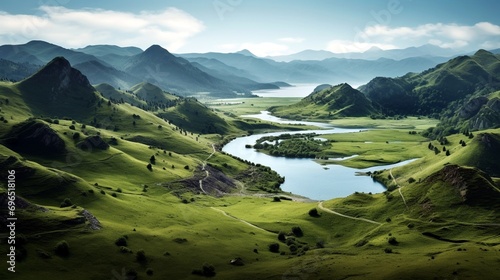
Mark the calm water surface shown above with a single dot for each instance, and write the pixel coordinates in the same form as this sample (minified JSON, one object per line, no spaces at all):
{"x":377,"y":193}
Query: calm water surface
{"x":304,"y":176}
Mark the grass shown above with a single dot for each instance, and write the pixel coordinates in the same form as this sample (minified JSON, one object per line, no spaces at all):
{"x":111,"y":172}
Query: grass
{"x":384,"y":146}
{"x":180,"y":231}
{"x":248,"y":106}
{"x":416,"y":123}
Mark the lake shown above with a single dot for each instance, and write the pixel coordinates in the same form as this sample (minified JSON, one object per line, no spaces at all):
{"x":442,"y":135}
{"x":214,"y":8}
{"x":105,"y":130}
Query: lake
{"x":305,"y":177}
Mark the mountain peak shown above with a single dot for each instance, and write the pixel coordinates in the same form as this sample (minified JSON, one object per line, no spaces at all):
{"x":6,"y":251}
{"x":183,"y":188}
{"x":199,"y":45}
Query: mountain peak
{"x":59,"y":73}
{"x":373,"y":49}
{"x":154,"y":49}
{"x":483,"y":52}
{"x":246,"y":52}
{"x":59,"y":89}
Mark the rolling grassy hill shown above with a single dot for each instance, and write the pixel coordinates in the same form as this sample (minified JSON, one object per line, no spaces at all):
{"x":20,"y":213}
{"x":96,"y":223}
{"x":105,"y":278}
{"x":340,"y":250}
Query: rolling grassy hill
{"x":431,"y":91}
{"x":333,"y":102}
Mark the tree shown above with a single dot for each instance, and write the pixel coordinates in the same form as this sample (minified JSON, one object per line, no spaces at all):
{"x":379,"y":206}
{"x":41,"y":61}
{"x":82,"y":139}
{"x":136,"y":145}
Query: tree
{"x":274,"y":247}
{"x":152,"y":159}
{"x":140,"y":256}
{"x":297,"y":231}
{"x":150,"y":167}
{"x":314,"y":213}
{"x":62,"y":249}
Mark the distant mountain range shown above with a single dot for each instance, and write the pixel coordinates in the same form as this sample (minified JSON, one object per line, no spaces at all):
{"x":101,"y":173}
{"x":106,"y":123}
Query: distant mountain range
{"x":219,"y":74}
{"x":373,"y":53}
{"x":331,"y":70}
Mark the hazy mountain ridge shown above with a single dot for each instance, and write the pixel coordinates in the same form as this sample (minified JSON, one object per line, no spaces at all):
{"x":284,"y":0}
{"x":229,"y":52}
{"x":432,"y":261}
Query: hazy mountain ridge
{"x":373,"y":53}
{"x":223,"y":75}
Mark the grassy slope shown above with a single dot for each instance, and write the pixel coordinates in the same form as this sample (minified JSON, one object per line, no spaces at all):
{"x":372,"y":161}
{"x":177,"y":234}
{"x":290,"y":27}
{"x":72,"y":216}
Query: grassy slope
{"x":383,"y":147}
{"x":159,"y":217}
{"x":337,"y":101}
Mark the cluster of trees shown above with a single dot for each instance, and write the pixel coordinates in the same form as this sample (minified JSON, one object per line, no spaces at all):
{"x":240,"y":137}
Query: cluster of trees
{"x":300,"y":145}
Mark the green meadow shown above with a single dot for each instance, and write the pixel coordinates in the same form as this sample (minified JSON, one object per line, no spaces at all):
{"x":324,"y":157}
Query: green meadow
{"x":196,"y":209}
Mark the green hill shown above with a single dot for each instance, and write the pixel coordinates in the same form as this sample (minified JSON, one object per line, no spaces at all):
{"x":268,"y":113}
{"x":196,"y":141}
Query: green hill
{"x":432,"y":91}
{"x":58,"y":90}
{"x":111,"y":93}
{"x":151,"y":93}
{"x":191,"y":115}
{"x":332,"y":102}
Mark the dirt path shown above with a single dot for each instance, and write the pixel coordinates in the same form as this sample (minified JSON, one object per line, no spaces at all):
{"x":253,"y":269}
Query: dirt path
{"x":240,"y":220}
{"x":399,"y":188}
{"x":207,"y":174}
{"x":320,"y":206}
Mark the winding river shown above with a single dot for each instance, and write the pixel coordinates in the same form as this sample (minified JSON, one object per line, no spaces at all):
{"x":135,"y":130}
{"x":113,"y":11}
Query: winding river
{"x":305,"y":177}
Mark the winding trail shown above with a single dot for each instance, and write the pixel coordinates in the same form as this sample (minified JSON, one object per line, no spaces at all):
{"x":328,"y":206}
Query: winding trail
{"x":320,"y":206}
{"x":399,"y":188}
{"x":240,"y":220}
{"x":207,"y":174}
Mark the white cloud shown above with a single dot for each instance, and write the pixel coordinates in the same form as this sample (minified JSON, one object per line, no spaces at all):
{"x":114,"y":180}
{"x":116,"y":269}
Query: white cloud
{"x":291,"y":40}
{"x":444,"y":35}
{"x":170,"y":28}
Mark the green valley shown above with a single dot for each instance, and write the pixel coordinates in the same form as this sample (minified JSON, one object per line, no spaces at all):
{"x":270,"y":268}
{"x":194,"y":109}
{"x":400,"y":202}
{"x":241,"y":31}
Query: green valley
{"x":107,"y":182}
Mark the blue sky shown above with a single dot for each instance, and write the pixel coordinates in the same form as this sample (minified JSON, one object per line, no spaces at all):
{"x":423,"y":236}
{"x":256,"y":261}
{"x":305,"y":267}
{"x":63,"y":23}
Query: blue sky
{"x":272,"y":27}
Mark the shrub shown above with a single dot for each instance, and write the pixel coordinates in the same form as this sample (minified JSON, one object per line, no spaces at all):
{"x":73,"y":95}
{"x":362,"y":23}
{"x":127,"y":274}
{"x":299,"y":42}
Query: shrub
{"x":66,"y":203}
{"x":274,"y":247}
{"x":102,"y":192}
{"x":186,"y":167}
{"x":149,"y":271}
{"x":72,"y":127}
{"x":276,"y":199}
{"x":281,"y":236}
{"x":149,"y":167}
{"x":207,"y":270}
{"x":297,"y":231}
{"x":76,"y":136}
{"x":121,"y":241}
{"x":314,"y":213}
{"x":119,"y":190}
{"x":392,"y":240}
{"x":388,"y":250}
{"x":140,"y":256}
{"x":125,"y":250}
{"x":62,"y":249}
{"x":113,"y":195}
{"x":152,"y":159}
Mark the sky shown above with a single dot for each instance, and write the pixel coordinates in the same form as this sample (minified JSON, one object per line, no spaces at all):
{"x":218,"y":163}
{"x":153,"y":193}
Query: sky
{"x":265,"y":27}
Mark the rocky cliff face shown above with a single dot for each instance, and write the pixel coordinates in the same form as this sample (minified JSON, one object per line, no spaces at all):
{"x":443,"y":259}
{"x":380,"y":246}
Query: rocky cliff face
{"x":487,"y":117}
{"x":35,"y":137}
{"x":472,"y":185}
